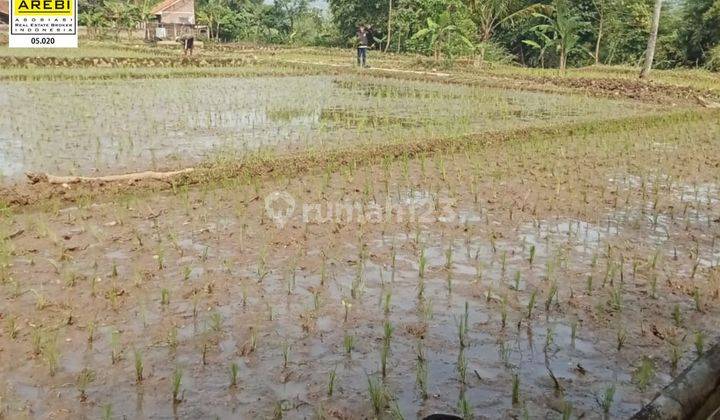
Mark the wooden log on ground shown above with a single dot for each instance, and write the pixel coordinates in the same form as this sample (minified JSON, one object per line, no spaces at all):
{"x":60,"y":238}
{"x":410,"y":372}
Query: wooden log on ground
{"x":692,"y":395}
{"x":35,"y":178}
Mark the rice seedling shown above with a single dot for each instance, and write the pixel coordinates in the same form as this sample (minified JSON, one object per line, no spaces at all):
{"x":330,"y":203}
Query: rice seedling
{"x":531,"y":258}
{"x":699,"y":343}
{"x":164,"y":297}
{"x":176,"y":382}
{"x":516,"y":285}
{"x":503,"y":312}
{"x":50,"y":353}
{"x":515,"y":389}
{"x":83,"y":381}
{"x":107,"y":413}
{"x":675,"y":355}
{"x":464,"y":407}
{"x":644,"y":374}
{"x":346,"y":305}
{"x":697,"y":299}
{"x":349,"y":343}
{"x":421,"y":372}
{"x":12,"y":327}
{"x":378,"y":395}
{"x":286,"y":347}
{"x":115,"y":350}
{"x":621,"y":337}
{"x":616,"y":299}
{"x":90,"y":331}
{"x":386,"y":303}
{"x":216,"y":322}
{"x":552,"y":293}
{"x":606,"y":399}
{"x":677,"y":315}
{"x":234,"y":370}
{"x":531,"y":304}
{"x":462,"y":366}
{"x":331,"y":382}
{"x":139,"y":367}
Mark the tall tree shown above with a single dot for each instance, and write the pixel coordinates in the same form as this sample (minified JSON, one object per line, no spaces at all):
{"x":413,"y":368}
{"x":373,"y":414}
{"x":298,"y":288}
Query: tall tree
{"x":652,"y":40}
{"x":389,"y":25}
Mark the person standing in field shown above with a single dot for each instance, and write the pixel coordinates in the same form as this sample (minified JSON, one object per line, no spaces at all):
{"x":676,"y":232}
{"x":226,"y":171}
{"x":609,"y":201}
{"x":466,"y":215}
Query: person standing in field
{"x":363,"y":44}
{"x":188,"y":43}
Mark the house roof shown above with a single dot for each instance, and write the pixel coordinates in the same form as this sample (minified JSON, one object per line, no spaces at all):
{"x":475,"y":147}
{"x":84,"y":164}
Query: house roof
{"x":4,"y":7}
{"x":162,"y":6}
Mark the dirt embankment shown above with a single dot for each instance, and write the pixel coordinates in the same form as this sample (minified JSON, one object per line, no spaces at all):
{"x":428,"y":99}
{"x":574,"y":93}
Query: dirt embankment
{"x":36,"y":192}
{"x":128,"y":62}
{"x":635,"y":89}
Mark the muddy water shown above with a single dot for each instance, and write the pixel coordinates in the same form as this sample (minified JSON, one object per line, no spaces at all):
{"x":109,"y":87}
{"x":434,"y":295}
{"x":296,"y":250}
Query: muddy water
{"x":593,"y":275}
{"x":120,"y":126}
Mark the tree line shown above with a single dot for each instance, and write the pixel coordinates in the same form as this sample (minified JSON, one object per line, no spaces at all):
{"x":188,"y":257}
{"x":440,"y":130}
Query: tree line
{"x":546,"y":33}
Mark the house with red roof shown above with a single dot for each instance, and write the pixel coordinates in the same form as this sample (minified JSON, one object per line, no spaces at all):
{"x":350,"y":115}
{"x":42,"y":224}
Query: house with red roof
{"x":174,"y":18}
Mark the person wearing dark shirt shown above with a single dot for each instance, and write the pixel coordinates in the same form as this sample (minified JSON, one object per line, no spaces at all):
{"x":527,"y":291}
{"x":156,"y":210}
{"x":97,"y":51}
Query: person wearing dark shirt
{"x":363,"y":45}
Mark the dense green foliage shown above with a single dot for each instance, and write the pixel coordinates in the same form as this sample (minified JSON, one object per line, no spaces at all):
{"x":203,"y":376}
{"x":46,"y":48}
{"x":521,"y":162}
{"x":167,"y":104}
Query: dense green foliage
{"x":547,"y":33}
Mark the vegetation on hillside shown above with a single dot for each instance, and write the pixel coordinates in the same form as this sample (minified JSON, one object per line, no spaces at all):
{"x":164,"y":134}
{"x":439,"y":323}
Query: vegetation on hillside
{"x":546,"y":33}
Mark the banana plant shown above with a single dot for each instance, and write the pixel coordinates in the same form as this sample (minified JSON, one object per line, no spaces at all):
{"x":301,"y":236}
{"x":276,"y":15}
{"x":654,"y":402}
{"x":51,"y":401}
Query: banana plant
{"x":440,"y":32}
{"x":561,"y":31}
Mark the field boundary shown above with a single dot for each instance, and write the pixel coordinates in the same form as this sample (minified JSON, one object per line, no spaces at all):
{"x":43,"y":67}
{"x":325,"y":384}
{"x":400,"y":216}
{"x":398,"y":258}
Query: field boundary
{"x":262,"y":164}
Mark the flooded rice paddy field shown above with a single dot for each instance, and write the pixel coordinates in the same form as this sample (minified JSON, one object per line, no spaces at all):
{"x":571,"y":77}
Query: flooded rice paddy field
{"x":72,"y":128}
{"x":533,"y":278}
